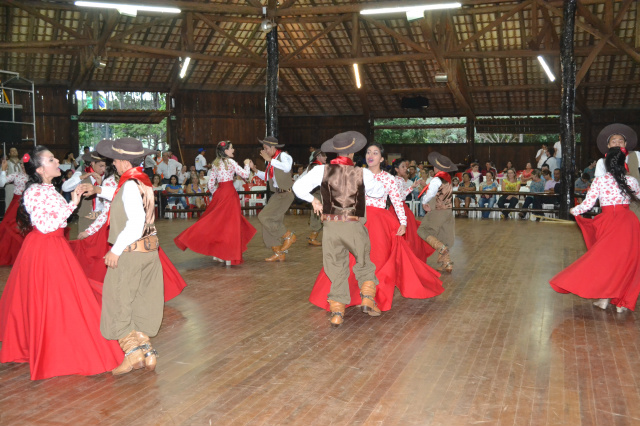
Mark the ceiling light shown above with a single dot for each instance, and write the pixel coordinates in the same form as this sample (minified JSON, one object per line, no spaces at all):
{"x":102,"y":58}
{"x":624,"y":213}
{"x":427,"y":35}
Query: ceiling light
{"x":267,"y":25}
{"x":185,"y":65}
{"x":357,"y":74}
{"x":441,"y":77}
{"x":127,"y":9}
{"x":411,"y":9}
{"x":99,"y":63}
{"x":546,"y":68}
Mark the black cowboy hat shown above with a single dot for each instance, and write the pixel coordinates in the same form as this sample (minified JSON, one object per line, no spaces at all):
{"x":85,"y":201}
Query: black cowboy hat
{"x":270,"y":141}
{"x":92,"y":157}
{"x":441,"y":162}
{"x":123,"y":149}
{"x":617,"y":129}
{"x":345,"y":143}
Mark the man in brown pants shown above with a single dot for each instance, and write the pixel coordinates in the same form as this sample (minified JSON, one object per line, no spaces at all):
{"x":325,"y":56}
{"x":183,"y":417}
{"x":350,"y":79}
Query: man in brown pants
{"x":278,"y":175}
{"x":438,"y":226}
{"x":343,"y":188}
{"x":133,"y":291}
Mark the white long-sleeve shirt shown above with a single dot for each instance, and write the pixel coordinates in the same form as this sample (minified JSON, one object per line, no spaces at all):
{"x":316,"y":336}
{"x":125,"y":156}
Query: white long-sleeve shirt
{"x":201,"y":162}
{"x":109,"y":182}
{"x":166,"y":170}
{"x":311,"y":180}
{"x":284,"y":163}
{"x":71,"y":184}
{"x":134,"y":209}
{"x":434,"y":185}
{"x":18,"y":179}
{"x":601,"y":169}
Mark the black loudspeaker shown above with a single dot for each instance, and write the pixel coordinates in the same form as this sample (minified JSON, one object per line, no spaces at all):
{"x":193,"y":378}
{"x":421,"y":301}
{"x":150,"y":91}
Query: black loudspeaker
{"x":10,"y":133}
{"x":416,"y":102}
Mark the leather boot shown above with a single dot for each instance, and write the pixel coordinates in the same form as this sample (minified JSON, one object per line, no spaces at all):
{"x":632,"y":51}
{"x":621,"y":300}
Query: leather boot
{"x":337,"y":312}
{"x":368,"y":295}
{"x":150,"y":354}
{"x":133,"y":356}
{"x":447,"y":264}
{"x":313,"y":239}
{"x":287,"y":240}
{"x":278,"y":255}
{"x":437,"y":245}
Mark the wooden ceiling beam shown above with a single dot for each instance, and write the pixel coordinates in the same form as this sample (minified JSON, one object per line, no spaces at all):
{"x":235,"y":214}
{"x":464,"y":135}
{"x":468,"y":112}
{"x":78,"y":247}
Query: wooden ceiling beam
{"x":141,"y":27}
{"x":586,"y":64}
{"x":37,"y":14}
{"x":229,"y":37}
{"x":394,"y":34}
{"x":111,"y":20}
{"x":518,"y":8}
{"x":313,"y":39}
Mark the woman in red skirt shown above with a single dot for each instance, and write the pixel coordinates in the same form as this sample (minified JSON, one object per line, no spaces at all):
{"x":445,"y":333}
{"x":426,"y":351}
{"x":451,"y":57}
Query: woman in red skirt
{"x":10,"y":237}
{"x":396,"y":264}
{"x":405,"y":186}
{"x":49,"y":311}
{"x":610,"y":269}
{"x":222,"y":232}
{"x":92,"y":245}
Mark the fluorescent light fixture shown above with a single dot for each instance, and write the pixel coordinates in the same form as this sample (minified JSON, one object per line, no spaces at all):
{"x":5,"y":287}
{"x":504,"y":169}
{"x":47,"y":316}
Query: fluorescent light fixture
{"x":127,"y":9}
{"x":412,"y":15}
{"x":546,"y":68}
{"x":441,"y":77}
{"x":357,"y":73}
{"x":411,"y":9}
{"x":185,"y":65}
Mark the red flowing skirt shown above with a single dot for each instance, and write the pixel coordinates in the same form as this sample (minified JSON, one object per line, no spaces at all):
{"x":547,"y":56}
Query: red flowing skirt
{"x":50,"y":313}
{"x":10,"y":237}
{"x":90,"y":253}
{"x":420,"y":248}
{"x":396,"y":266}
{"x":222,"y":231}
{"x":610,"y":269}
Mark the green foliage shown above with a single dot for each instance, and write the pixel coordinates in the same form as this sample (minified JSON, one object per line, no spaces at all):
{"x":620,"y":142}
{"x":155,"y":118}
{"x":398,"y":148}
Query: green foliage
{"x":153,"y":136}
{"x":418,"y":134}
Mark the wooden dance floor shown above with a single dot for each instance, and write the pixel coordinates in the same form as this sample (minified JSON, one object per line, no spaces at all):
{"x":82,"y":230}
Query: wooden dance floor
{"x":243,"y":346}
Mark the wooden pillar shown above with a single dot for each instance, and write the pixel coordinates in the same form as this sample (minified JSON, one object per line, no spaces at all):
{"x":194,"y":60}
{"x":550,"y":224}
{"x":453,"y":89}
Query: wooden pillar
{"x":567,"y":127}
{"x":271,"y":98}
{"x":471,"y":137}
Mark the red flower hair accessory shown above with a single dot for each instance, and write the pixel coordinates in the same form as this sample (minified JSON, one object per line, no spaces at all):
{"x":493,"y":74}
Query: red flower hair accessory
{"x":26,"y":158}
{"x":223,"y":144}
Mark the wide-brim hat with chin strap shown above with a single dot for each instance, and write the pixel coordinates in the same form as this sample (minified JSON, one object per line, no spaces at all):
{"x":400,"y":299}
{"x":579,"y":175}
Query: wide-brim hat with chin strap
{"x":441,"y":162}
{"x":92,"y":157}
{"x":123,"y":149}
{"x":345,"y":143}
{"x":617,"y":129}
{"x":270,"y":141}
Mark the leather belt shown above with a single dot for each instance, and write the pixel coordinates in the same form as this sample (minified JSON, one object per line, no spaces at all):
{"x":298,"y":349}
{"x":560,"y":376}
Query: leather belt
{"x":280,"y":191}
{"x":339,"y":218}
{"x":145,"y":245}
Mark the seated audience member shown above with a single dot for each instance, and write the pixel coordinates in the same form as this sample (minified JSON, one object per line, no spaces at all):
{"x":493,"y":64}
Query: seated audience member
{"x":509,"y":184}
{"x":581,"y":186}
{"x":183,"y":175}
{"x":193,"y":187}
{"x":412,"y":172}
{"x":65,"y":177}
{"x":474,"y":173}
{"x":537,"y":186}
{"x":488,"y":200}
{"x":490,"y":167}
{"x":455,"y":183}
{"x":173,"y":187}
{"x":591,"y":169}
{"x":509,"y":166}
{"x":465,"y":186}
{"x":202,"y":178}
{"x":156,"y":183}
{"x":526,"y":175}
{"x":299,"y":173}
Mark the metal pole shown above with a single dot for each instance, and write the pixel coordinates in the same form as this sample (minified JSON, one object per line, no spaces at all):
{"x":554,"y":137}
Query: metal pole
{"x":567,"y":128}
{"x":271,"y":96}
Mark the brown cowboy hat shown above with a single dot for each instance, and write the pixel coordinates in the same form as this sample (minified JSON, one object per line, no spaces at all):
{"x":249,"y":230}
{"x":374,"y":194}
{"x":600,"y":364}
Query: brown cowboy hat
{"x":617,"y":129}
{"x":92,"y":157}
{"x":441,"y":162}
{"x":270,"y":141}
{"x":122,"y":149}
{"x":345,"y":143}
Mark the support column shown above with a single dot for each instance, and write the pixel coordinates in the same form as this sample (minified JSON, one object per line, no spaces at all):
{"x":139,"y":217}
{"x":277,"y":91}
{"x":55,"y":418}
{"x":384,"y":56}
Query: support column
{"x":271,"y":96}
{"x":471,"y":137}
{"x":567,"y":127}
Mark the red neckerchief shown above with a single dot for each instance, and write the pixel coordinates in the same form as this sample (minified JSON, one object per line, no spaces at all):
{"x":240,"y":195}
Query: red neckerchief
{"x":135,"y":173}
{"x":441,"y":175}
{"x":269,"y":172}
{"x":344,"y":161}
{"x":316,"y":162}
{"x":626,"y":154}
